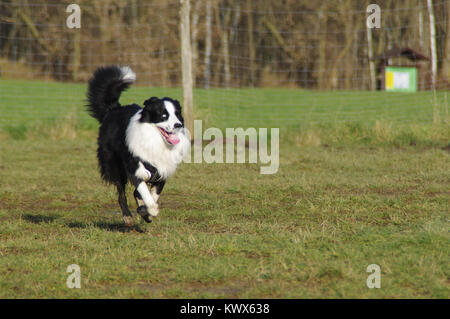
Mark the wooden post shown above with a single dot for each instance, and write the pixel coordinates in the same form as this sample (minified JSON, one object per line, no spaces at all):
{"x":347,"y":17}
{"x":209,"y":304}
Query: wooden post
{"x":432,"y":44}
{"x":370,"y":58}
{"x":76,"y":54}
{"x":186,"y":66}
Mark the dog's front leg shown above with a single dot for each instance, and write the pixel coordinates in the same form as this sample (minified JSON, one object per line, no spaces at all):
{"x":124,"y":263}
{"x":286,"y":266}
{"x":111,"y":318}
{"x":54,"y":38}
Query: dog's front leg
{"x":147,"y":199}
{"x":147,"y":205}
{"x":156,"y":189}
{"x":143,"y":173}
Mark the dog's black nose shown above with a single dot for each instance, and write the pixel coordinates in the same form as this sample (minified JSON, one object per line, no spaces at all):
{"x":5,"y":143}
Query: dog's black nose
{"x":178,"y":125}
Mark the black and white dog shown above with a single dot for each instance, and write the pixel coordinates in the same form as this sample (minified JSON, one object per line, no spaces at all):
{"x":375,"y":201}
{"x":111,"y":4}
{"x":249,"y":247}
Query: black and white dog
{"x":142,"y":145}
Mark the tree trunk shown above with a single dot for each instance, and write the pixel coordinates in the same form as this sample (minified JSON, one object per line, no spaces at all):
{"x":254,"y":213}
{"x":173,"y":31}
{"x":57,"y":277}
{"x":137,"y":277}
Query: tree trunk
{"x":195,"y":18}
{"x":208,"y":44}
{"x":251,"y":43}
{"x":446,"y":59}
{"x":322,"y":69}
{"x":226,"y":47}
{"x":421,"y":46}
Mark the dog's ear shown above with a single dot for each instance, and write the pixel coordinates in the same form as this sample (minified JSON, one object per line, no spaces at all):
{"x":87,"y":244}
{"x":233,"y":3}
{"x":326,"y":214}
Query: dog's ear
{"x":146,"y":116}
{"x":149,"y":109}
{"x":151,"y":101}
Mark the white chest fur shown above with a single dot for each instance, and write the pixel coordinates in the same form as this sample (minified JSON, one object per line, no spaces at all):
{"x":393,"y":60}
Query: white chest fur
{"x":145,"y":142}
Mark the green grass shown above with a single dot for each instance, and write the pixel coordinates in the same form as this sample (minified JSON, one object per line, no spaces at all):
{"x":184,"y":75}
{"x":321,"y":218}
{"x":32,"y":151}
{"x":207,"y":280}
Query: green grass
{"x":27,"y":103}
{"x":308,"y":231}
{"x":347,"y":194}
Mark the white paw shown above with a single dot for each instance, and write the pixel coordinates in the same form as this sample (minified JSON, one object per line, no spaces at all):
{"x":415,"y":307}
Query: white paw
{"x":153,"y":210}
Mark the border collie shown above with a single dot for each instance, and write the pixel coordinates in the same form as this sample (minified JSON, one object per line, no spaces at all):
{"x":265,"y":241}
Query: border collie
{"x":142,"y":145}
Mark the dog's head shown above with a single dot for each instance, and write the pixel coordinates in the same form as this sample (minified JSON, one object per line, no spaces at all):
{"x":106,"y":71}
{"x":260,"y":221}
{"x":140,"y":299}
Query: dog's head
{"x":165,"y":114}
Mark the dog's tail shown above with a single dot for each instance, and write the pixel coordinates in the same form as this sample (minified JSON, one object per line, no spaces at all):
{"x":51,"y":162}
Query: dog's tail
{"x":105,"y":88}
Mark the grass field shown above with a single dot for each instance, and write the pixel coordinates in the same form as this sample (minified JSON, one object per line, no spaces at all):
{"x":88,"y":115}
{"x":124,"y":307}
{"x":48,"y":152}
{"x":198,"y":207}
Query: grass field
{"x":348,"y":194}
{"x":25,"y":104}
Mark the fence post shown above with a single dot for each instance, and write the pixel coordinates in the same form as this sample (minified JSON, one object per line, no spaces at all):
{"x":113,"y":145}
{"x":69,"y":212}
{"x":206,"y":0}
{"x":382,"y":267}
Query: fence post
{"x":432,"y":44}
{"x":186,"y":65}
{"x":370,"y":58}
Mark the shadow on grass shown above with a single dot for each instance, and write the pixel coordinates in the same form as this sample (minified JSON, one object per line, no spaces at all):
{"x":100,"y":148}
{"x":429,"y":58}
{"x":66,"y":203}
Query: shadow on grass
{"x":109,"y":226}
{"x":38,"y":219}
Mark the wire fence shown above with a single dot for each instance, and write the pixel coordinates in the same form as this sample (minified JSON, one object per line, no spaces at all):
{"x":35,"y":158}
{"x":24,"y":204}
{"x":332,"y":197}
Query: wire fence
{"x":254,"y":63}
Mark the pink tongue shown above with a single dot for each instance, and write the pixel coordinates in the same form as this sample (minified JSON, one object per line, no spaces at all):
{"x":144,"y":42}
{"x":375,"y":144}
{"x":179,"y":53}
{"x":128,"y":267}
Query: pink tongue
{"x":173,"y":139}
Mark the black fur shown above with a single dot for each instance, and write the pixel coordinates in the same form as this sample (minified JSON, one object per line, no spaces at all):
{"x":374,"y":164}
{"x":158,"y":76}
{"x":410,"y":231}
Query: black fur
{"x":117,"y":163}
{"x":104,"y":91}
{"x":154,"y":110}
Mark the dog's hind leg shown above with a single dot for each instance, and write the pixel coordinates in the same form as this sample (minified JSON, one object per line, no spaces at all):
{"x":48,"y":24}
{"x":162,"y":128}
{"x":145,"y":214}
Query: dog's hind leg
{"x":126,"y":214}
